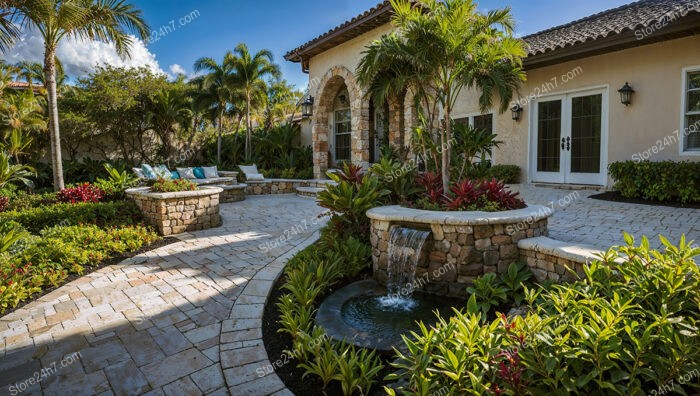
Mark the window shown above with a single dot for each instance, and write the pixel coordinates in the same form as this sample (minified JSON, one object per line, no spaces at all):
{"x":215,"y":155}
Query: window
{"x":691,"y":135}
{"x":484,"y":121}
{"x":342,"y":135}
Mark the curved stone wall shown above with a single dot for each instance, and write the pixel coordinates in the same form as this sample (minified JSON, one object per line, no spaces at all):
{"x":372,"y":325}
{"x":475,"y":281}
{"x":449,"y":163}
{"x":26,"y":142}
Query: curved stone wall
{"x":462,"y":245}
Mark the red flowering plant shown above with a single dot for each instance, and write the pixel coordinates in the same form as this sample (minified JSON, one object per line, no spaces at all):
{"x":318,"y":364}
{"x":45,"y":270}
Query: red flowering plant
{"x":85,"y":192}
{"x":485,"y":195}
{"x":509,"y":368}
{"x":4,"y":203}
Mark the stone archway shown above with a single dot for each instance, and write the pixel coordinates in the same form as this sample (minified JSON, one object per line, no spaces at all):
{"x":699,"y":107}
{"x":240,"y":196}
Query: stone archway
{"x":329,"y":86}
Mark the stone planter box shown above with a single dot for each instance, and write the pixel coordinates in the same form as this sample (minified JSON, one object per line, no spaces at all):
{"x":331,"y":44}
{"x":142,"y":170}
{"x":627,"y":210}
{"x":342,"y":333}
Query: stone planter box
{"x":282,"y":186}
{"x":178,"y":212}
{"x":462,"y":245}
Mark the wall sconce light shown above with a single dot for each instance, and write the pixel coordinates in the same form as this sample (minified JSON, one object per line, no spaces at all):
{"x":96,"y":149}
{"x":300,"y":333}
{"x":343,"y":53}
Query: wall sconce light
{"x":626,"y":94}
{"x":307,"y":107}
{"x":517,"y":110}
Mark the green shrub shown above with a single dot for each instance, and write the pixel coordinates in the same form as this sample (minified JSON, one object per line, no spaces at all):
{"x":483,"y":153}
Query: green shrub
{"x":23,"y":200}
{"x":657,"y":181}
{"x":629,"y":327}
{"x":169,"y":185}
{"x":103,"y":214}
{"x":509,"y":174}
{"x":62,"y":251}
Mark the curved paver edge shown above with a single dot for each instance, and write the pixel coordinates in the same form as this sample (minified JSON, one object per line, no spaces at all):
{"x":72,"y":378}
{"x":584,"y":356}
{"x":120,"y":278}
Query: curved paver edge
{"x":242,"y":351}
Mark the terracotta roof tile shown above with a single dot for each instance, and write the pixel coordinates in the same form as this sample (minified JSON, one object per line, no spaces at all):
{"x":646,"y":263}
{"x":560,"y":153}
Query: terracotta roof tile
{"x":629,"y":17}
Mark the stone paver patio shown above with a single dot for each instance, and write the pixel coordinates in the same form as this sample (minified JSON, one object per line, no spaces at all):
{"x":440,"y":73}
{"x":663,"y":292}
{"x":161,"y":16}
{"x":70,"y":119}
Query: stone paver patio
{"x":151,"y":324}
{"x":185,"y":318}
{"x":579,"y":219}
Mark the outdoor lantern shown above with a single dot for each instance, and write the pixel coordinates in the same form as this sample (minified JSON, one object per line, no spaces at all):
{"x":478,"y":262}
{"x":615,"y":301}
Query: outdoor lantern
{"x":517,"y":110}
{"x":626,"y":94}
{"x":307,"y":107}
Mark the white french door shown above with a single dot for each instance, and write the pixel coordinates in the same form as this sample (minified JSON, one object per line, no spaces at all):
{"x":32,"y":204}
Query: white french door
{"x":569,"y":138}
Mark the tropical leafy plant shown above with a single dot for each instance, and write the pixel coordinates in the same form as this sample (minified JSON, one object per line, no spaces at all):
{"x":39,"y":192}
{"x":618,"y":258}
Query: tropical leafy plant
{"x":437,"y":50}
{"x":357,"y":368}
{"x":488,"y":292}
{"x":515,"y":279}
{"x":11,"y":173}
{"x":354,"y":194}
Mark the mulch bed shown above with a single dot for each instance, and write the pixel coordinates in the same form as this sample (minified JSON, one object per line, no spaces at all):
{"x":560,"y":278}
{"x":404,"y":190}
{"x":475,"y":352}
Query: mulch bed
{"x":615,"y":196}
{"x":88,"y":270}
{"x":276,"y":343}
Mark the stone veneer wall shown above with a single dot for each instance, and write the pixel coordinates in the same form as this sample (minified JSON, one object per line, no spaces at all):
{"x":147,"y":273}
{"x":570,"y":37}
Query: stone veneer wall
{"x":462,"y":245}
{"x":548,"y":266}
{"x":178,"y":212}
{"x":282,"y":186}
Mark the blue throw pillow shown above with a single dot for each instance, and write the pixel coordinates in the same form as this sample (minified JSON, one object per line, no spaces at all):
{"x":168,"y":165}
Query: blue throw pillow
{"x":164,"y":172}
{"x":199,"y":172}
{"x":176,"y":175}
{"x":149,"y":172}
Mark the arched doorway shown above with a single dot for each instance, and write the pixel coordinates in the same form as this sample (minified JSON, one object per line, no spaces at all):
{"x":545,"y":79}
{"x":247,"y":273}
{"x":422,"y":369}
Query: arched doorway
{"x":340,"y":129}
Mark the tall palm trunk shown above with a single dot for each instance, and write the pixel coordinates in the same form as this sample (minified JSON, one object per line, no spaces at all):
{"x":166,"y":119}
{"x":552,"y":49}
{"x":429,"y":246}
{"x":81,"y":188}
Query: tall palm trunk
{"x":54,"y":132}
{"x":218,"y":140}
{"x":248,"y":128}
{"x":446,"y":137}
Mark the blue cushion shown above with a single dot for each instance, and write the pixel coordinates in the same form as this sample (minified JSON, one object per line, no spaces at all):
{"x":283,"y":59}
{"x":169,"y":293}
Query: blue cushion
{"x":149,"y":172}
{"x":163,"y":171}
{"x":176,"y":175}
{"x":199,"y":172}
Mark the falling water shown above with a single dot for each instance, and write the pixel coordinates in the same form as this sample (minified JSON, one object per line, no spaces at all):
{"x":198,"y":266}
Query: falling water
{"x":405,"y":246}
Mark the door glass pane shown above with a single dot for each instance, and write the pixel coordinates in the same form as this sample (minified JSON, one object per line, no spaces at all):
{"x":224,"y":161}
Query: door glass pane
{"x":548,"y":136}
{"x":586,"y":127}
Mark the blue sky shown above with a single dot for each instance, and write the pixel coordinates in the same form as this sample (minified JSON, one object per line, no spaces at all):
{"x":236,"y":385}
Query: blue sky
{"x":212,"y":27}
{"x":283,"y":25}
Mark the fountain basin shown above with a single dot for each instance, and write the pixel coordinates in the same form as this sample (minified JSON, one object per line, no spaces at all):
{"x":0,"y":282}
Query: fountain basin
{"x":362,"y":314}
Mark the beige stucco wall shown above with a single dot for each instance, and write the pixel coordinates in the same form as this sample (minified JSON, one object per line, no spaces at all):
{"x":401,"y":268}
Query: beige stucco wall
{"x":654,"y":71}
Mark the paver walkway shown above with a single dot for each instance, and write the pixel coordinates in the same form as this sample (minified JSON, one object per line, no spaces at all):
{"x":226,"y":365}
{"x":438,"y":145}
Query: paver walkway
{"x":185,"y":318}
{"x":151,"y":324}
{"x":597,"y":223}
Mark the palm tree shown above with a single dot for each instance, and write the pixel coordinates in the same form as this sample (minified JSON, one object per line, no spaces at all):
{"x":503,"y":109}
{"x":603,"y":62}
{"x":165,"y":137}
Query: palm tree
{"x":9,"y":31}
{"x":169,"y":110}
{"x":104,"y":20}
{"x":250,"y":72}
{"x":439,"y":49}
{"x":218,"y":88}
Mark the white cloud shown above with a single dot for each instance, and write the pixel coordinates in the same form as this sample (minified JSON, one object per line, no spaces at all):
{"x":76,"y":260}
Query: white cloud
{"x":176,"y":70}
{"x":79,"y":57}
